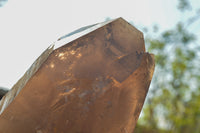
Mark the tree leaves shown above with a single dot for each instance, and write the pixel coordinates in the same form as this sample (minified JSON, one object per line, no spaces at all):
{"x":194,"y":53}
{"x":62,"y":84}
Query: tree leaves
{"x":184,"y":5}
{"x":174,"y":94}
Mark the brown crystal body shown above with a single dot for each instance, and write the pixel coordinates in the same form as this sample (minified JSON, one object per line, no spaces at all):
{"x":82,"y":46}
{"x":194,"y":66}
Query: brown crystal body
{"x":94,"y":84}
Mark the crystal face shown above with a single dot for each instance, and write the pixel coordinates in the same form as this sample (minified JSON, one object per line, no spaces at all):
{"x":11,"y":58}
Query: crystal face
{"x":96,"y":83}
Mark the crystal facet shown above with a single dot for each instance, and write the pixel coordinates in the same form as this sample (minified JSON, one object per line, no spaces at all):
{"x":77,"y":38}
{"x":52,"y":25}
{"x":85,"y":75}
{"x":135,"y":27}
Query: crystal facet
{"x":94,"y":83}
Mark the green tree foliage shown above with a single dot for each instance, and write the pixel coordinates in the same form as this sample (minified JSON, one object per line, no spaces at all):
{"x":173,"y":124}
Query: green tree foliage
{"x":184,"y":5}
{"x":173,"y":102}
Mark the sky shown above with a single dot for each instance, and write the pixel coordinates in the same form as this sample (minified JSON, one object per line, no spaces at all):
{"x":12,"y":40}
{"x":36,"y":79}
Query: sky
{"x":28,"y":27}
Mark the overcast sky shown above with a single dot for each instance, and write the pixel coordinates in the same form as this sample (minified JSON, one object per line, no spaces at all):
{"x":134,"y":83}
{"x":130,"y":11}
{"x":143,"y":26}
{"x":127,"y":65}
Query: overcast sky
{"x":28,"y":27}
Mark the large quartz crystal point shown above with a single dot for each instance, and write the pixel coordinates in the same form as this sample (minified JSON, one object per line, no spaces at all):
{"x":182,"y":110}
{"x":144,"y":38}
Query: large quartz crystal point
{"x":96,"y":82}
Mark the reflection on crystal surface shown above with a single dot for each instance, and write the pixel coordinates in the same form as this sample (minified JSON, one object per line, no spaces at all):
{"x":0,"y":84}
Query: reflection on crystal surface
{"x":96,"y":83}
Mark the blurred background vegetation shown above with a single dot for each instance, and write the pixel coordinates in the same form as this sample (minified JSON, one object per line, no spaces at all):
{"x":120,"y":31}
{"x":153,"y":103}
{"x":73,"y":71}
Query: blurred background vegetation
{"x":173,"y":101}
{"x":2,"y":2}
